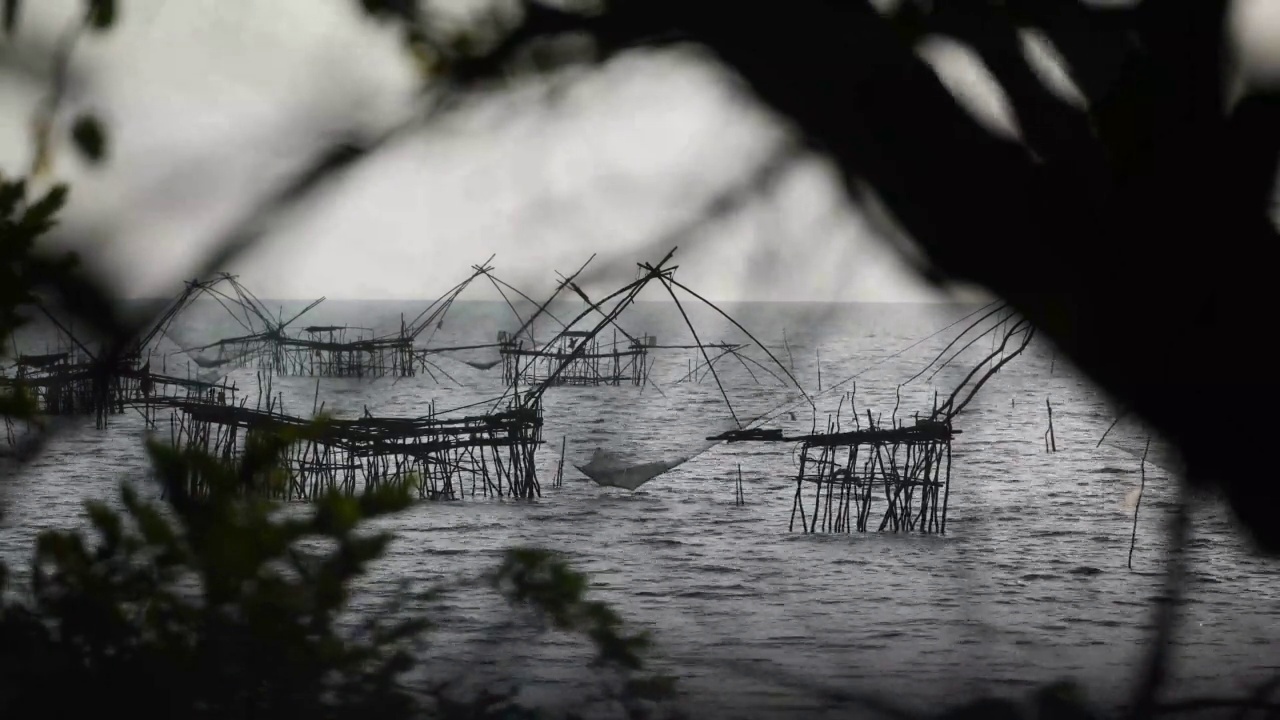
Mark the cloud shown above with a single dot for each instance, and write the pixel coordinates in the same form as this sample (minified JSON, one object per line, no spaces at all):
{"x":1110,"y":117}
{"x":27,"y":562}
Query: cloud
{"x":211,"y":104}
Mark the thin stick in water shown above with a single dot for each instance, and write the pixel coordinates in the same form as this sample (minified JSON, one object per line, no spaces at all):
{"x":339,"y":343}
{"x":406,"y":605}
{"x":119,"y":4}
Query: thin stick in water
{"x":1050,"y":440}
{"x":1133,"y":539}
{"x":740,"y":497}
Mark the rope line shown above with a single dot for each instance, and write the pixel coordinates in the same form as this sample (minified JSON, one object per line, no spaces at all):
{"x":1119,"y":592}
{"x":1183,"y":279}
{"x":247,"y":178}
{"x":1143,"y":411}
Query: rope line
{"x":775,"y":413}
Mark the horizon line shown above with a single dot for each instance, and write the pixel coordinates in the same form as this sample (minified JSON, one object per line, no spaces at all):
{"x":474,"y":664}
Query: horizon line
{"x":651,"y":301}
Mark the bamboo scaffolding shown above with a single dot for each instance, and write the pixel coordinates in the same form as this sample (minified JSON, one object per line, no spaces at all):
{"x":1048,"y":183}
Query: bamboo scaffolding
{"x":576,"y":355}
{"x":899,"y":473}
{"x":904,"y":470}
{"x":75,"y":380}
{"x":563,"y":362}
{"x":437,"y":452}
{"x":336,"y":350}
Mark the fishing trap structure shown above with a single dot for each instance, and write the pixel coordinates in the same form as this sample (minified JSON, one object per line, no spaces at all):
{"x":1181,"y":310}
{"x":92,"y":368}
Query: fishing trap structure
{"x":891,"y":476}
{"x":909,"y":465}
{"x":577,"y":355}
{"x":339,"y":350}
{"x":71,"y":379}
{"x":447,"y":456}
{"x":574,"y":357}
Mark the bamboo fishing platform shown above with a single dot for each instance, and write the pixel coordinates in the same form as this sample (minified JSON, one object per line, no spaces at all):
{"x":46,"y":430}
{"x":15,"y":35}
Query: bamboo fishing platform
{"x":909,"y":465}
{"x":343,"y":350}
{"x":75,"y":380}
{"x":849,"y":472}
{"x":317,"y":350}
{"x":902,"y":468}
{"x":62,"y":384}
{"x":325,"y":351}
{"x":446,"y":458}
{"x":575,"y":357}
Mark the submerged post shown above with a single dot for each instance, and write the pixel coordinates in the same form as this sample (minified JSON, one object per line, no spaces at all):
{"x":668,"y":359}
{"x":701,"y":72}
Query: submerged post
{"x":1050,"y":442}
{"x":1133,"y":538}
{"x":560,"y":469}
{"x":739,"y":497}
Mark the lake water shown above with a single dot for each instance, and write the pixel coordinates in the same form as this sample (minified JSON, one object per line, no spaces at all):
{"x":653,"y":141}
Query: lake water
{"x":1028,"y":585}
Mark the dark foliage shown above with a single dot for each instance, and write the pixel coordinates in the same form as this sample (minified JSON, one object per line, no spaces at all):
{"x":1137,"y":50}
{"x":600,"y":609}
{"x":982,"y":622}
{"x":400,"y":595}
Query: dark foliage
{"x":217,"y":612}
{"x":224,"y":606}
{"x":90,"y":138}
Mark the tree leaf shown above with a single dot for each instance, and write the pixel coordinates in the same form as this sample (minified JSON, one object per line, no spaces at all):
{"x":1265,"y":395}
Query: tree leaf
{"x":11,"y":8}
{"x":90,"y":138}
{"x":102,"y":14}
{"x":11,"y":193}
{"x":40,"y":213}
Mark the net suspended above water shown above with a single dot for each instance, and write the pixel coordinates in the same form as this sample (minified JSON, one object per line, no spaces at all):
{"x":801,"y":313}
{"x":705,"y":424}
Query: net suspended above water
{"x":611,"y":470}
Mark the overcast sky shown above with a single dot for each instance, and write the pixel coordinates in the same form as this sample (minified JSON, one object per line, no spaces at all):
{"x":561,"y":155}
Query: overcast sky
{"x":209,"y":102}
